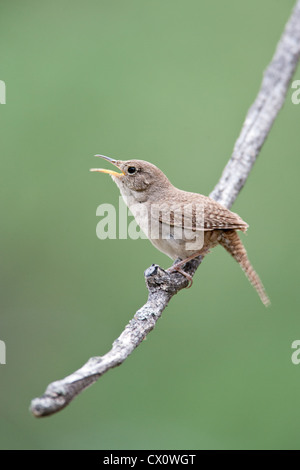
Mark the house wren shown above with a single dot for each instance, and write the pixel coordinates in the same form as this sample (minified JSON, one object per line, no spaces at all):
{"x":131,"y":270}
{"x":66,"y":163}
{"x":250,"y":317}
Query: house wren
{"x":181,"y":224}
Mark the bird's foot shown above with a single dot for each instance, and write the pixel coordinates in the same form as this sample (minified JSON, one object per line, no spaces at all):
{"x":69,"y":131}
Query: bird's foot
{"x":177,"y":269}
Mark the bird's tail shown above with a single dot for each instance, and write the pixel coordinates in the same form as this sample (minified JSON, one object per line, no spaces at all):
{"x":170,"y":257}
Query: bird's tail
{"x":232,"y":243}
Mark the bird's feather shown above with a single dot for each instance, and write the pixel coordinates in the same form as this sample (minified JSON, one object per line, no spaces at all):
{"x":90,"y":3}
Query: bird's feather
{"x":198,"y":213}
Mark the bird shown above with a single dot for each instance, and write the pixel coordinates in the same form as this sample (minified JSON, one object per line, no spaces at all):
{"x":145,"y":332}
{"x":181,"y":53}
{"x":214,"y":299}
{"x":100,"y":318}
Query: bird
{"x":181,"y":224}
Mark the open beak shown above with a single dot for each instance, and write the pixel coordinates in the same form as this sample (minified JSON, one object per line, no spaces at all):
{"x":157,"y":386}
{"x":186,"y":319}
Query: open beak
{"x":110,"y":172}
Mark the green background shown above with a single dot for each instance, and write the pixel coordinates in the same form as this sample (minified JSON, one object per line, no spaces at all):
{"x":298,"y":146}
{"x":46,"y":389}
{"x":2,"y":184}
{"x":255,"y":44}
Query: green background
{"x":169,"y":82}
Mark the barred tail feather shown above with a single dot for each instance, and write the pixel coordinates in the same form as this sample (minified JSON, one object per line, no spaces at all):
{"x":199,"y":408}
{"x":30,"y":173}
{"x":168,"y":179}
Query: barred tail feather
{"x":232,"y":243}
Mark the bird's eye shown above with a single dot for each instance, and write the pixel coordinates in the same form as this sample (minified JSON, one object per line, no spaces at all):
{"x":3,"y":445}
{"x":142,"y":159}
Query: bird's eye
{"x":131,"y":170}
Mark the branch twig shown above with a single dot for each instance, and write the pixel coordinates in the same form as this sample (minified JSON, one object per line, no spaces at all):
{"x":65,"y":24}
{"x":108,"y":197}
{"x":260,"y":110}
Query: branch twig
{"x":162,"y":285}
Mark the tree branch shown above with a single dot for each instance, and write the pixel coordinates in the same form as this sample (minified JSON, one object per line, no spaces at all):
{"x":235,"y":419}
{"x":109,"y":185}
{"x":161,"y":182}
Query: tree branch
{"x":162,"y":285}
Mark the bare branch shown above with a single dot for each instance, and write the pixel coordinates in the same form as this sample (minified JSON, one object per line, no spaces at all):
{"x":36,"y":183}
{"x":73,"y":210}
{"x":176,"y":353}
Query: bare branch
{"x":162,"y":285}
{"x":262,"y":113}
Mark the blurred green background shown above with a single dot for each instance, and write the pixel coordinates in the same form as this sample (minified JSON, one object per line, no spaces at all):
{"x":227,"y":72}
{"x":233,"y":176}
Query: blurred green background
{"x":170,"y":82}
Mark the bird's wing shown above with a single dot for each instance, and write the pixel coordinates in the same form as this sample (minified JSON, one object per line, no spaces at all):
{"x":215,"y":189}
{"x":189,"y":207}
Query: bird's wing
{"x":202,"y":214}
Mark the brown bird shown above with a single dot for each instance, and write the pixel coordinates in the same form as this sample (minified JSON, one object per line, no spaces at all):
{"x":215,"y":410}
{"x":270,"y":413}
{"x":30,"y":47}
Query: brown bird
{"x":181,"y":224}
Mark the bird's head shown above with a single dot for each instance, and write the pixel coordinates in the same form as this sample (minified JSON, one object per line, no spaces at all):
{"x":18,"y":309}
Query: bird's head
{"x":136,"y":177}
